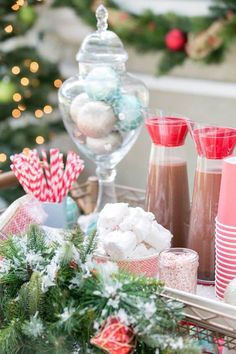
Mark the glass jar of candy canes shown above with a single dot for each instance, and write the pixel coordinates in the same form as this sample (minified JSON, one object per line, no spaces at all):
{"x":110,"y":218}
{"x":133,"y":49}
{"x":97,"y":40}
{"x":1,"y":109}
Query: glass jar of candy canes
{"x":178,"y":269}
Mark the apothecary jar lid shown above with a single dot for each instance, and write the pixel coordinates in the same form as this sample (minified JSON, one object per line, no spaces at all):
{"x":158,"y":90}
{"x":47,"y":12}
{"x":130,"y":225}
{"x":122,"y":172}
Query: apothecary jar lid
{"x":102,"y":46}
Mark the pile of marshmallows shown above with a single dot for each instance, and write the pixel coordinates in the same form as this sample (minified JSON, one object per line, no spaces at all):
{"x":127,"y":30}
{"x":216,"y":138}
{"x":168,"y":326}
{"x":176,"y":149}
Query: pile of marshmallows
{"x":129,"y":233}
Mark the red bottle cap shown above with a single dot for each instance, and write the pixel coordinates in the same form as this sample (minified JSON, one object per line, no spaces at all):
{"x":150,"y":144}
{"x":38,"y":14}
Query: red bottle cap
{"x":214,"y":142}
{"x":167,"y":131}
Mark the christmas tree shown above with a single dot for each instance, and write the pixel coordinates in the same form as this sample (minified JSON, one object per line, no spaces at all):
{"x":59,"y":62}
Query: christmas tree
{"x":28,"y":85}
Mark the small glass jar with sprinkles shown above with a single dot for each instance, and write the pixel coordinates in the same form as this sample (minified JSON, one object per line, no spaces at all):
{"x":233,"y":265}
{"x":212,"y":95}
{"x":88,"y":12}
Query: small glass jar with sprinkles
{"x":178,"y":269}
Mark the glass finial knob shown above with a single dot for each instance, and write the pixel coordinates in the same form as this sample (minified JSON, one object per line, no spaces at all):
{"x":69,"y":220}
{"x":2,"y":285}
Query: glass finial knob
{"x":102,"y":16}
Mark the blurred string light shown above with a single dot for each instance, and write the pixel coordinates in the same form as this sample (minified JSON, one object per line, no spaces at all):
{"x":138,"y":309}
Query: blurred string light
{"x":3,"y":157}
{"x":34,"y":66}
{"x":26,"y":150}
{"x":21,"y":107}
{"x":47,"y":109}
{"x":15,"y":70}
{"x":16,"y":113}
{"x":8,"y":29}
{"x":40,"y":140}
{"x":38,"y":113}
{"x":17,"y":97}
{"x":57,"y":83}
{"x":24,"y":81}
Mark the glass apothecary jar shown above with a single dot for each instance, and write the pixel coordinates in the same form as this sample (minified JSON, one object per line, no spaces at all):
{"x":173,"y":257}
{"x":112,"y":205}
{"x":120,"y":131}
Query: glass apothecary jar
{"x":103,"y":106}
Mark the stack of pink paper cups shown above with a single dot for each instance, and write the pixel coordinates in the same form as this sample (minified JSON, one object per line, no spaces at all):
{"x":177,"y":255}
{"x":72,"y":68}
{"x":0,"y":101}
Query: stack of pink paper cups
{"x":226,"y":228}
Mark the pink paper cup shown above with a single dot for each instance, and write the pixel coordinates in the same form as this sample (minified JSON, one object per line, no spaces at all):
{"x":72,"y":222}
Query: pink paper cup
{"x":225,"y":238}
{"x":225,"y":226}
{"x":226,"y":265}
{"x":224,"y":275}
{"x":230,"y":234}
{"x":222,"y":242}
{"x":219,"y":294}
{"x":225,"y":271}
{"x":220,"y":287}
{"x":227,"y":200}
{"x":229,"y":250}
{"x":230,"y":242}
{"x":228,"y":257}
{"x":222,"y":282}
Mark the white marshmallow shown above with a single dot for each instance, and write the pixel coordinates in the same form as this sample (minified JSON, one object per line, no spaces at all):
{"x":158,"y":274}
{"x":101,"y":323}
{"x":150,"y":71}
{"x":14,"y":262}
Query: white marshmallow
{"x":119,"y":245}
{"x":139,"y":222}
{"x":111,"y":216}
{"x":159,"y":237}
{"x":140,"y":251}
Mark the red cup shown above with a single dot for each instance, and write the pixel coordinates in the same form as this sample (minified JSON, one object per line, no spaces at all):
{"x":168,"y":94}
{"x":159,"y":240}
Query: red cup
{"x":228,"y":249}
{"x":219,"y":294}
{"x":224,"y":254}
{"x":225,"y":269}
{"x":222,"y":243}
{"x":228,"y":257}
{"x":220,"y":287}
{"x":225,"y":227}
{"x":226,"y":233}
{"x":226,"y":239}
{"x":224,"y":275}
{"x":221,"y":282}
{"x":226,"y":244}
{"x":227,"y":200}
{"x":227,"y":265}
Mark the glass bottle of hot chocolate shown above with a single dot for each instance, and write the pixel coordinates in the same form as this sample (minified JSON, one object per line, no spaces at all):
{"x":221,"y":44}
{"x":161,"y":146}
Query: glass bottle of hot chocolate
{"x":167,"y":194}
{"x":213,"y":144}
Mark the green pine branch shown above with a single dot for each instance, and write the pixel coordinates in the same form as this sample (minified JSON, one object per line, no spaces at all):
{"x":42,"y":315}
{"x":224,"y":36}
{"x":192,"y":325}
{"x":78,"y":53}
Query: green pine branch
{"x":10,"y":339}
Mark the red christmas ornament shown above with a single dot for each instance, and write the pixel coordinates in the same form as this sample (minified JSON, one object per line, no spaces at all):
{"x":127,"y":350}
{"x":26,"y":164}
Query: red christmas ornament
{"x":114,"y":337}
{"x":175,"y":40}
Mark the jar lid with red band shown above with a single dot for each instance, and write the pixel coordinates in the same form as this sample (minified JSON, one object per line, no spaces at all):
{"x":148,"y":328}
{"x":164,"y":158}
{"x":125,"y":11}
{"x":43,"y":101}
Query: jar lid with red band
{"x":167,"y":131}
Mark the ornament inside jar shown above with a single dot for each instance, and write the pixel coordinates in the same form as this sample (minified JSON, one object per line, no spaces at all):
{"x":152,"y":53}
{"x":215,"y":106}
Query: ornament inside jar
{"x":103,"y":106}
{"x":213,"y":144}
{"x":167,"y":195}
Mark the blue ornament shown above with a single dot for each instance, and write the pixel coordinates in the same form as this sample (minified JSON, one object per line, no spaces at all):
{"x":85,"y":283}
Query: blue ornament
{"x":72,"y":213}
{"x":129,"y":112}
{"x":102,"y":84}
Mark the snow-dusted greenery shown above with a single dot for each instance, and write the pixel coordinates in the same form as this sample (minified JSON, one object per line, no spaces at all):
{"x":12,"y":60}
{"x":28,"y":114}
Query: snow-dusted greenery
{"x":53,"y":299}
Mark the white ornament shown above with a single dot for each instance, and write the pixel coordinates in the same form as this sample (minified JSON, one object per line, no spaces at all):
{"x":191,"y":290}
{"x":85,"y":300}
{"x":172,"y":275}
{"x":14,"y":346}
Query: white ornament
{"x":77,"y":103}
{"x":230,"y":293}
{"x":104,"y":145}
{"x":95,"y":119}
{"x":102,"y":83}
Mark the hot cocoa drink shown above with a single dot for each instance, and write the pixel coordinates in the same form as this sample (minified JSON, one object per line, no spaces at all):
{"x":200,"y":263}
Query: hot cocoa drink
{"x":168,"y":198}
{"x":202,"y":223}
